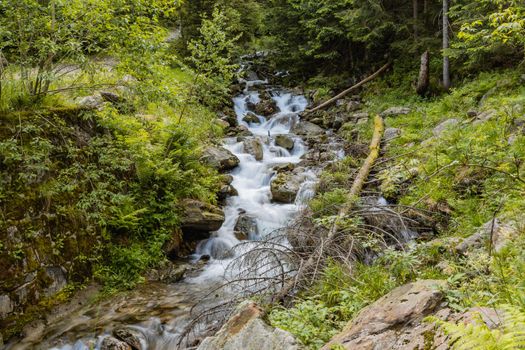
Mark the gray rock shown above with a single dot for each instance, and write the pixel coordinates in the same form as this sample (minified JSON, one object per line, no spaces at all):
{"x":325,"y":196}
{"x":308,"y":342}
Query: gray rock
{"x":219,"y":158}
{"x":247,"y":330}
{"x":395,"y":111}
{"x":110,"y":343}
{"x":254,"y":147}
{"x":266,"y":107}
{"x":58,"y":277}
{"x":361,"y":115}
{"x":131,"y":337}
{"x":284,"y":187}
{"x":6,"y":305}
{"x":385,"y":323}
{"x":246,"y":226}
{"x":199,"y":217}
{"x":307,"y":129}
{"x":284,"y":141}
{"x":251,"y":118}
{"x":353,"y":106}
{"x":501,"y":233}
{"x":362,"y":121}
{"x":472,"y":113}
{"x":391,"y":133}
{"x":443,"y":126}
{"x":111,"y":97}
{"x":91,"y":102}
{"x":484,"y":117}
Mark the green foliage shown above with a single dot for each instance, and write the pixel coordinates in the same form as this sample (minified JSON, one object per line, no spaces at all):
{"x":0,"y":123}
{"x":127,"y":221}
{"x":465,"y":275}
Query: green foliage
{"x":211,"y":55}
{"x":478,"y":335}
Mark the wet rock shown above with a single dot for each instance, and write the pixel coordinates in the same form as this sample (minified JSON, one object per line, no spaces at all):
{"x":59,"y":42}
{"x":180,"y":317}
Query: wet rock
{"x":501,"y":234}
{"x":110,"y":343}
{"x":58,"y":278}
{"x":220,"y":158}
{"x":284,"y":141}
{"x":111,"y":97}
{"x":246,"y":226}
{"x":395,"y":112}
{"x":251,"y":118}
{"x":280,"y":168}
{"x":284,"y":187}
{"x":199,"y":219}
{"x":131,"y":337}
{"x":443,"y":126}
{"x":307,"y":129}
{"x":247,"y":330}
{"x":228,"y":116}
{"x":254,"y":147}
{"x":222,"y":123}
{"x":266,"y":107}
{"x":385,"y":323}
{"x":6,"y":305}
{"x":167,"y":273}
{"x":227,"y":191}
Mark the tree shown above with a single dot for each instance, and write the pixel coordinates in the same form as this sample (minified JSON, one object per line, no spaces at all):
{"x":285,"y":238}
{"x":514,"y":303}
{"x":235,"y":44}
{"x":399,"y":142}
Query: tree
{"x":446,"y":45}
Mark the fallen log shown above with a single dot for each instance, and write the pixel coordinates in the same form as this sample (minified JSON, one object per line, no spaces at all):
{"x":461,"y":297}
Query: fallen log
{"x":350,"y":89}
{"x":353,"y":194}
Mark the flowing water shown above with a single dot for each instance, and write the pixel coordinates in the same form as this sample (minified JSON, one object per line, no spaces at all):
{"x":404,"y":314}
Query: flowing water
{"x":161,"y":311}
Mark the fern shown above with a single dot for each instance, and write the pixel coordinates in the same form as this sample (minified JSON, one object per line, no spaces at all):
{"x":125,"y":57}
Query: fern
{"x":478,"y":336}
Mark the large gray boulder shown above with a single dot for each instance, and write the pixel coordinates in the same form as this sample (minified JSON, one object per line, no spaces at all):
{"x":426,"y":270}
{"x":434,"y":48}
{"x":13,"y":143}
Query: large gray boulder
{"x":444,"y":126}
{"x":246,"y":227}
{"x":386,"y":323}
{"x":254,"y":147}
{"x":284,"y":141}
{"x":219,"y":158}
{"x":247,"y":330}
{"x":199,"y":219}
{"x":285,"y":186}
{"x":308,"y":129}
{"x":501,"y":233}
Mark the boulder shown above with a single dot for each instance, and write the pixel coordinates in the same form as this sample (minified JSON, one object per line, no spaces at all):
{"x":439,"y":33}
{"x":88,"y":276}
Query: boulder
{"x":246,"y":226}
{"x":386,"y":323}
{"x":251,"y":118}
{"x":111,"y":97}
{"x":395,"y":111}
{"x":6,"y":305}
{"x":501,"y":234}
{"x":284,"y":141}
{"x":353,"y":106}
{"x":443,"y":126}
{"x":131,"y":337}
{"x":307,"y":129}
{"x":247,"y":330}
{"x":110,"y":343}
{"x":57,"y":277}
{"x":266,"y":107}
{"x":391,"y":133}
{"x":168,"y":272}
{"x":284,"y":187}
{"x":219,"y":158}
{"x":227,"y":191}
{"x":91,"y":102}
{"x":199,"y":219}
{"x":484,"y":117}
{"x":254,"y":147}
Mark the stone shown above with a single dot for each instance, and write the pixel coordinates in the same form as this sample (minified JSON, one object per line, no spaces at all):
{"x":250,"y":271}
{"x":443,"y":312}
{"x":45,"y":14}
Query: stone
{"x":384,"y":324}
{"x":111,"y":97}
{"x":254,"y":147}
{"x":247,"y":330}
{"x":266,"y":107}
{"x":501,"y":233}
{"x":395,"y":112}
{"x":444,"y":126}
{"x":219,"y":158}
{"x":472,"y":113}
{"x":361,"y":115}
{"x":284,"y":141}
{"x":58,"y":277}
{"x":222,"y":123}
{"x":353,"y":106}
{"x":307,"y":129}
{"x":284,"y":187}
{"x":227,"y":191}
{"x":167,"y":273}
{"x":362,"y":121}
{"x":131,"y":337}
{"x":391,"y":133}
{"x":199,"y":219}
{"x":6,"y":305}
{"x":484,"y":117}
{"x":91,"y":102}
{"x":110,"y":343}
{"x":246,"y":226}
{"x":251,"y":118}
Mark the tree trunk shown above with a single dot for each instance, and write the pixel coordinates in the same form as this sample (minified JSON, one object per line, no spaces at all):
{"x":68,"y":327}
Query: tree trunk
{"x":415,"y":13}
{"x":424,"y":79}
{"x":446,"y":45}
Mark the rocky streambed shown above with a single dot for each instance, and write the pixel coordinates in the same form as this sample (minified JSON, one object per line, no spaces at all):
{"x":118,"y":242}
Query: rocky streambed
{"x":270,"y":160}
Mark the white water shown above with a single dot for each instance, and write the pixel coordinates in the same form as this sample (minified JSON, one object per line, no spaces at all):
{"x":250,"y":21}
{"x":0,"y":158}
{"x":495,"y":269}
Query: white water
{"x":252,"y":180}
{"x":161,"y":312}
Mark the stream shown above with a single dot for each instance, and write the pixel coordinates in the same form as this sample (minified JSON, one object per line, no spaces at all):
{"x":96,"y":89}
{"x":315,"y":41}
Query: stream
{"x":160,"y":312}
